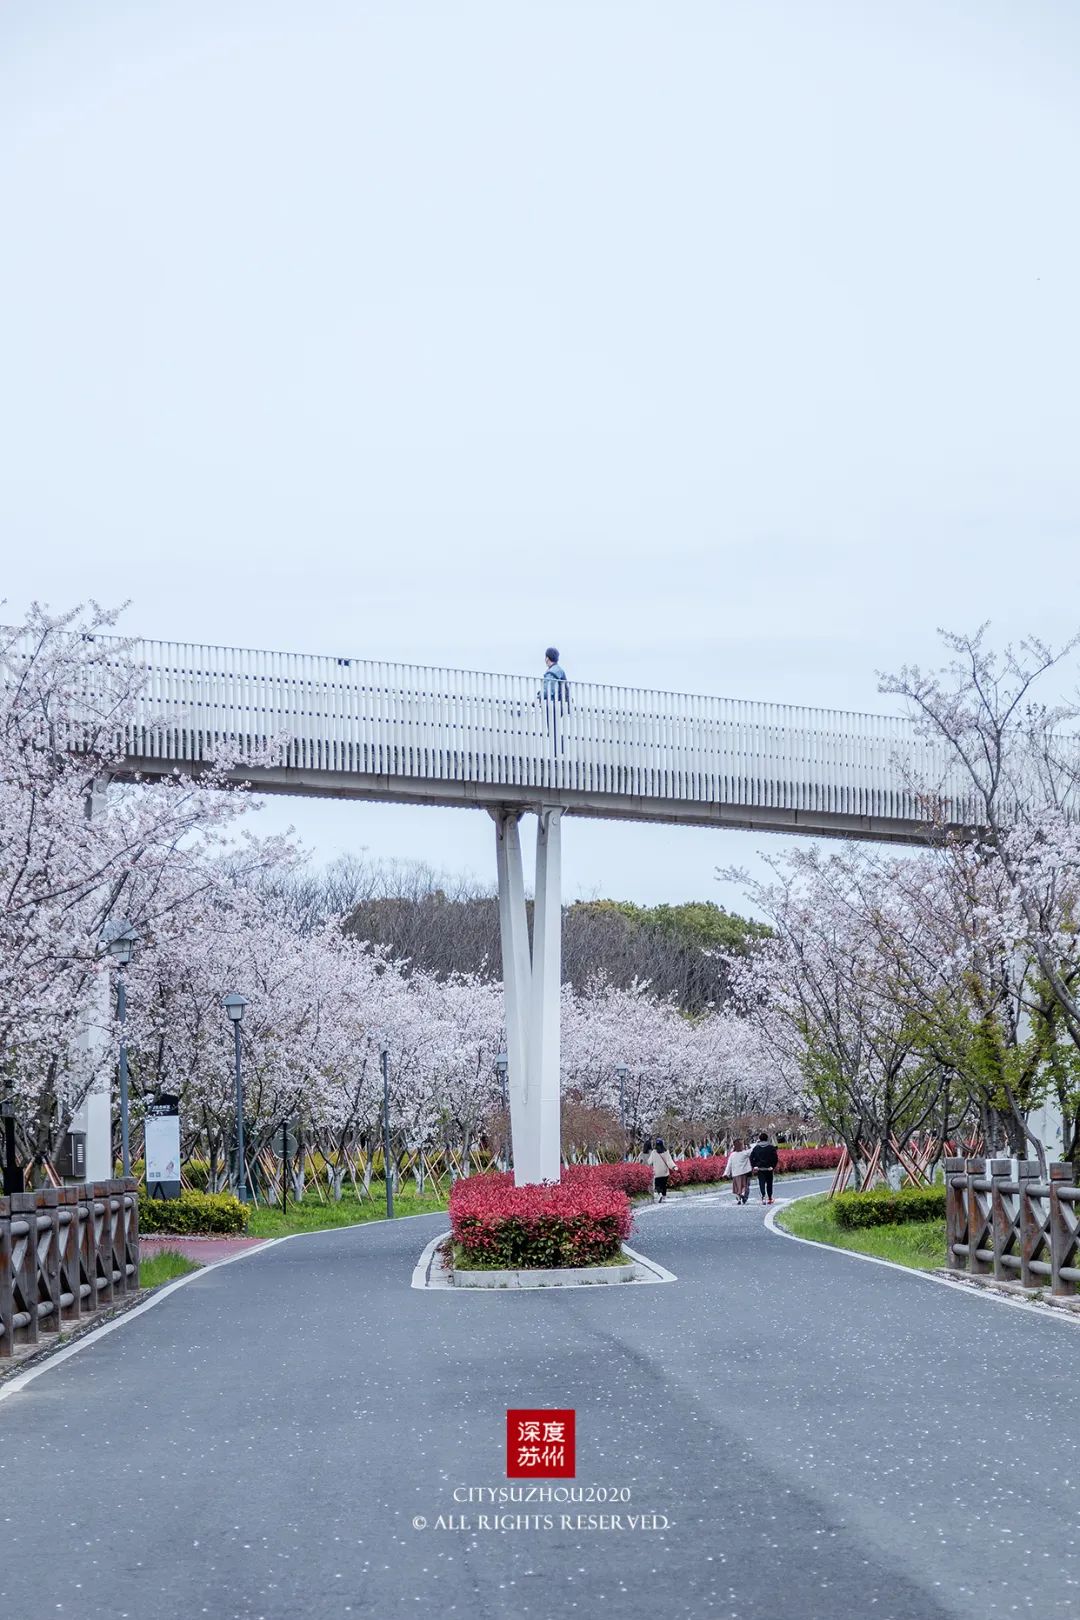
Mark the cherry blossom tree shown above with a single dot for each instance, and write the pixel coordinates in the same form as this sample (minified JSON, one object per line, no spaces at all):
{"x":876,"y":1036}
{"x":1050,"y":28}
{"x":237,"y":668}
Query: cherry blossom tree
{"x":1012,"y":739}
{"x":79,"y":849}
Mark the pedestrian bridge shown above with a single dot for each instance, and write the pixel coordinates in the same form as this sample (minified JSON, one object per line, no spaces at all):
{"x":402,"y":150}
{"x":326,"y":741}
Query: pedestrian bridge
{"x":357,"y":728}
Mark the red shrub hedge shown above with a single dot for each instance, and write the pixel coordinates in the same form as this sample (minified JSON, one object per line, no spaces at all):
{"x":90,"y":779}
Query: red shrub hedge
{"x":576,"y":1223}
{"x":824,"y":1158}
{"x":632,"y":1179}
{"x":692,"y":1172}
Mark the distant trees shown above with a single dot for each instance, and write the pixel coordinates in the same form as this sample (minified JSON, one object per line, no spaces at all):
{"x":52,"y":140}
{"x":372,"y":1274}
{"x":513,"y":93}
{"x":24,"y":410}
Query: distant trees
{"x":447,"y":924}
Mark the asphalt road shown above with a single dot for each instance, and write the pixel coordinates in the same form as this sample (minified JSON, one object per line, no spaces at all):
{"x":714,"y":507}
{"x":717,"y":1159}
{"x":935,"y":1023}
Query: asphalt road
{"x":826,"y":1438}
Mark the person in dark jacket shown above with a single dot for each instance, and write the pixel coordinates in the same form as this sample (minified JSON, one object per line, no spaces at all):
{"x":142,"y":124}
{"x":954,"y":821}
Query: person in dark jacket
{"x":764,"y":1159}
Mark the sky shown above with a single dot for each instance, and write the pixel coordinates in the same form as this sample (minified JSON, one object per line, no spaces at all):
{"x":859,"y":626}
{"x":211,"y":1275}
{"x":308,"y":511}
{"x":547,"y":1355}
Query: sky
{"x":732,"y":347}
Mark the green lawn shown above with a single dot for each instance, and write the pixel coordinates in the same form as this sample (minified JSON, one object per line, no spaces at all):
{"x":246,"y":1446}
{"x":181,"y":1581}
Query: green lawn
{"x":312,"y":1215}
{"x":920,"y":1244}
{"x":164,"y":1267}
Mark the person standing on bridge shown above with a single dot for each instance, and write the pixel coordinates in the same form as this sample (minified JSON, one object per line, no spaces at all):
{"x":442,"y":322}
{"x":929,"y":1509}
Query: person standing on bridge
{"x":556,"y":687}
{"x":555,"y":693}
{"x":764,"y":1159}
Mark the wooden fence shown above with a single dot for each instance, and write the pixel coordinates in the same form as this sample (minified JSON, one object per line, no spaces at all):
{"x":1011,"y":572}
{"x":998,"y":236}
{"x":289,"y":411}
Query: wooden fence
{"x":65,"y":1252}
{"x":1003,"y":1221}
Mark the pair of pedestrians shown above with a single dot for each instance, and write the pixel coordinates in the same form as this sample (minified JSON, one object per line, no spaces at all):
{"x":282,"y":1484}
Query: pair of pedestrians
{"x":760,"y":1159}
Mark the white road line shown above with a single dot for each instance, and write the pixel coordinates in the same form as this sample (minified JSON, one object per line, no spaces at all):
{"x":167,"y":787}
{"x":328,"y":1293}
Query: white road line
{"x":1031,"y":1306}
{"x":20,"y":1381}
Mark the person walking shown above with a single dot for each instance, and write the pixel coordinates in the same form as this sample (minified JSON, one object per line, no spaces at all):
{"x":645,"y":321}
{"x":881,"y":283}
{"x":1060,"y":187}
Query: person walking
{"x":662,"y":1166}
{"x":764,"y":1159}
{"x":738,"y":1168}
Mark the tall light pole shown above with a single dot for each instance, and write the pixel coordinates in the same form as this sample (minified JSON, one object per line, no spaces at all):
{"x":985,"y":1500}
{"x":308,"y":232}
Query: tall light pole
{"x":622,"y":1071}
{"x":502,"y":1063}
{"x":121,"y":939}
{"x":388,"y":1174}
{"x":234,"y":1005}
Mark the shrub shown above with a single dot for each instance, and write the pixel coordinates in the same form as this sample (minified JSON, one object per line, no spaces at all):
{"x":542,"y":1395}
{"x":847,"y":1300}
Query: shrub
{"x":886,"y":1208}
{"x":821,"y":1158}
{"x":576,"y":1222}
{"x":632,"y":1179}
{"x":695,"y":1172}
{"x":192,"y":1212}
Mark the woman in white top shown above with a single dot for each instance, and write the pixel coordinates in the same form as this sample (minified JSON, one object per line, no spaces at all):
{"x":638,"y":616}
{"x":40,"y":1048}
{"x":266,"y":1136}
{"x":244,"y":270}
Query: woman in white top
{"x":662,"y":1166}
{"x":738,"y":1168}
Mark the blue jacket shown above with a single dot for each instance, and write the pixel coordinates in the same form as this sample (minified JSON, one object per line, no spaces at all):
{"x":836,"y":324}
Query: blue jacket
{"x":555,"y":684}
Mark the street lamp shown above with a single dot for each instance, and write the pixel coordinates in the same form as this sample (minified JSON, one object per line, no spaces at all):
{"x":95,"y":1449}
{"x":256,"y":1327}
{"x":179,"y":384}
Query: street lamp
{"x":622,"y":1071}
{"x":120,"y":941}
{"x":234,"y":1005}
{"x":502,"y":1064}
{"x":388,"y":1169}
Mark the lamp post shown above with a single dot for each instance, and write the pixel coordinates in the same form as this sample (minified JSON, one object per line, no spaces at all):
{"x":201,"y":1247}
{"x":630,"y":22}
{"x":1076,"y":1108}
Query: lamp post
{"x":234,"y":1005}
{"x":622,"y":1071}
{"x":388,"y":1174}
{"x":121,"y":939}
{"x":502,"y":1063}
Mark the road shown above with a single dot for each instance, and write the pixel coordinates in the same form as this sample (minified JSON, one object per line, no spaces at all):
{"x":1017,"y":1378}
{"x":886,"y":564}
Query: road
{"x":825,"y":1437}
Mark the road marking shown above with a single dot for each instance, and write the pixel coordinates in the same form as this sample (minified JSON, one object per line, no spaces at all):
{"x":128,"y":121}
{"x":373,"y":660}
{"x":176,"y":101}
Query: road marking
{"x":1031,"y":1306}
{"x":20,"y":1381}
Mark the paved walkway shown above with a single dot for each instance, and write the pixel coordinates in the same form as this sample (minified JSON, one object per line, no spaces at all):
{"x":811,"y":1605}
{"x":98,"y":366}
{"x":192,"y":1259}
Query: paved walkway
{"x":827,"y":1439}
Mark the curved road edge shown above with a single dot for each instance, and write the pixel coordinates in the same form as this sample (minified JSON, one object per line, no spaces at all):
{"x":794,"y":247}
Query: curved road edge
{"x":1031,"y":1306}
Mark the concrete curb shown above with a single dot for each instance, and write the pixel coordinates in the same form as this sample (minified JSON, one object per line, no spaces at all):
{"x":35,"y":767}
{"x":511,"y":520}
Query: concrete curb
{"x":592,"y":1276}
{"x":427,"y":1273}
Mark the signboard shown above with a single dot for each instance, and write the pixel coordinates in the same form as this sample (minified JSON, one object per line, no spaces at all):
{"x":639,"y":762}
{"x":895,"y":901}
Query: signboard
{"x":162,"y":1128}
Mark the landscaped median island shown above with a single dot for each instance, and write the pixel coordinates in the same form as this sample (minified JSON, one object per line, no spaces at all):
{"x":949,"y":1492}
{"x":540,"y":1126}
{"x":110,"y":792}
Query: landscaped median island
{"x":907,"y":1227}
{"x":572,"y":1230}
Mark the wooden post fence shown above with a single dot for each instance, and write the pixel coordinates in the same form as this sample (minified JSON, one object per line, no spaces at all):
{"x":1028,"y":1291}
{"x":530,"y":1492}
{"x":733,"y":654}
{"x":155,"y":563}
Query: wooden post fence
{"x":65,"y":1252}
{"x":1002,"y":1219}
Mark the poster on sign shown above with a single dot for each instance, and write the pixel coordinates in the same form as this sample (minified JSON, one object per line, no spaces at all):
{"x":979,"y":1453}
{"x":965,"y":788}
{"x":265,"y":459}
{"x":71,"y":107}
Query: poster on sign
{"x":163,"y":1155}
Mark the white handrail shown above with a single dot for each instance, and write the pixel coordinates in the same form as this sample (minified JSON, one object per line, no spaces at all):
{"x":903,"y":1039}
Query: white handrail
{"x":366,"y":717}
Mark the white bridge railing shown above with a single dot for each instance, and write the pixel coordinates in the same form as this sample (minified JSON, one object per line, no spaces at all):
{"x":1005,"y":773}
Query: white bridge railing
{"x":358,"y":717}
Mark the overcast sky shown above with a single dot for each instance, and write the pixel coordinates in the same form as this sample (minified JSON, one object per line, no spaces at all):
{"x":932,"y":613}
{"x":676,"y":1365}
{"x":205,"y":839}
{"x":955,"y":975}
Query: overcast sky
{"x":731,"y":346}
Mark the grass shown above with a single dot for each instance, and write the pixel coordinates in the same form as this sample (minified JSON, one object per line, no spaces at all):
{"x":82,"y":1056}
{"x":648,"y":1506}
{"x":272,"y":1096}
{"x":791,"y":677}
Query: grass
{"x":919,"y":1244}
{"x":164,"y":1267}
{"x":312,"y":1215}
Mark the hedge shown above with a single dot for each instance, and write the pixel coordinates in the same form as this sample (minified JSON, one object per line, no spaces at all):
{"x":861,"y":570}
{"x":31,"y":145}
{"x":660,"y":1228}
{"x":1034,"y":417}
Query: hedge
{"x":576,"y":1222}
{"x":632,"y":1179}
{"x":192,"y":1212}
{"x":886,"y":1208}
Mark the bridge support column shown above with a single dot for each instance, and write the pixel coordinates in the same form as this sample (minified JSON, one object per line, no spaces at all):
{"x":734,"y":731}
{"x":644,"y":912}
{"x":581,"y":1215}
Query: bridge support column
{"x":532,"y":983}
{"x":94,"y":1116}
{"x":545,"y":1026}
